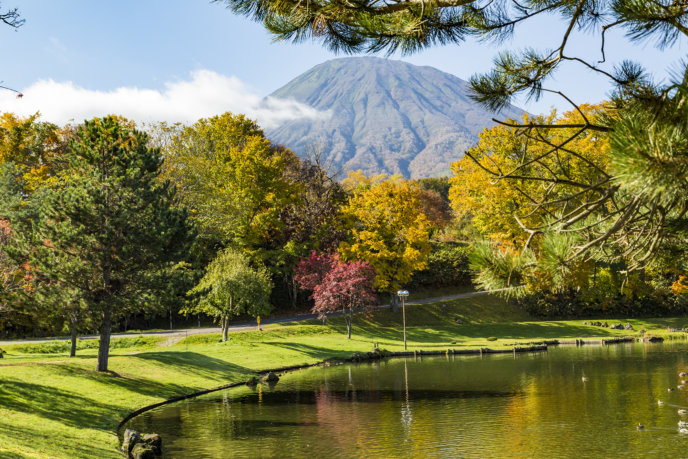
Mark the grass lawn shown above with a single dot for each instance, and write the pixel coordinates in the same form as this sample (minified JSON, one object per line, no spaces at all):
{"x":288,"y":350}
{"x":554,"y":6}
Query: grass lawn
{"x":54,"y":406}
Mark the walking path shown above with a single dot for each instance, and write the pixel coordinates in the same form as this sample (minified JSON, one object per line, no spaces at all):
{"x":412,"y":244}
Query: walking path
{"x":176,"y":335}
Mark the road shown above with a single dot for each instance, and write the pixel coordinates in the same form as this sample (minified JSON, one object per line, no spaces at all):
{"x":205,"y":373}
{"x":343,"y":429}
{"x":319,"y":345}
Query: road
{"x":176,"y":335}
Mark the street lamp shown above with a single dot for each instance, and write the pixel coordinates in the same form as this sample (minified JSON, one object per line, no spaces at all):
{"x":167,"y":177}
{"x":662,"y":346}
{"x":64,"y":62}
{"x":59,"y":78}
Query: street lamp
{"x":403,"y":294}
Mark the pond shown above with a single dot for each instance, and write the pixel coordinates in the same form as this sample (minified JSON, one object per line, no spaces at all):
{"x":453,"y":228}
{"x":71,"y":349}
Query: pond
{"x":523,"y":405}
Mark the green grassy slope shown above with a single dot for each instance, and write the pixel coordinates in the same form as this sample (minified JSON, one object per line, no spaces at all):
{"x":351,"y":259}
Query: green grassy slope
{"x":57,"y":407}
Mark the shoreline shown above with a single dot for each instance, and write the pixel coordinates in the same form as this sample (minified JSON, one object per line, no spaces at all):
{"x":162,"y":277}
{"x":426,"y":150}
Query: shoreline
{"x":358,"y":357}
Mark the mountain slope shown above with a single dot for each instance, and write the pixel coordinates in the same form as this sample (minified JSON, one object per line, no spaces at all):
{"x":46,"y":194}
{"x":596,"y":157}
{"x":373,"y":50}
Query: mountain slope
{"x":381,"y":115}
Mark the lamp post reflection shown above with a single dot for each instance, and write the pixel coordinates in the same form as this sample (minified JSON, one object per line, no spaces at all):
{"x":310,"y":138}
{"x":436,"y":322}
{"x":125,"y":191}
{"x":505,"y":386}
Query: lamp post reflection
{"x":406,"y":413}
{"x":403,"y":294}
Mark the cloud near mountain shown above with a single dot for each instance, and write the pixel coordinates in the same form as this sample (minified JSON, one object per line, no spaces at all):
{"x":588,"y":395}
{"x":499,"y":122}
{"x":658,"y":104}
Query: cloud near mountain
{"x":206,"y":94}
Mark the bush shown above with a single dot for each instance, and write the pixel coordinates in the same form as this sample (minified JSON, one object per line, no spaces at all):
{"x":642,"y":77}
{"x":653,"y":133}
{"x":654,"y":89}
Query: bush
{"x":573,"y":304}
{"x":447,"y":266}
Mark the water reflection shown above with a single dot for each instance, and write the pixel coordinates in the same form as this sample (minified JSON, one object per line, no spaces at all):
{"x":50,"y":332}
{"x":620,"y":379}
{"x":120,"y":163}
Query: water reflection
{"x":406,"y":413}
{"x":527,"y":405}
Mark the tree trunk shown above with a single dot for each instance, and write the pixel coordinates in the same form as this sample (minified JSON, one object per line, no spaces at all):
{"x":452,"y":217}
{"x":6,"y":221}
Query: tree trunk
{"x":104,"y":345}
{"x":171,"y":326}
{"x":225,"y":326}
{"x":72,"y":329}
{"x":198,"y":316}
{"x":295,"y":292}
{"x":349,"y":318}
{"x":394,"y":302}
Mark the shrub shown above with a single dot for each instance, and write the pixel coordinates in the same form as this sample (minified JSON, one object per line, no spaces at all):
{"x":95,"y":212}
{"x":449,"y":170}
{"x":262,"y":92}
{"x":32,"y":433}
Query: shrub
{"x":573,"y":304}
{"x":447,"y":266}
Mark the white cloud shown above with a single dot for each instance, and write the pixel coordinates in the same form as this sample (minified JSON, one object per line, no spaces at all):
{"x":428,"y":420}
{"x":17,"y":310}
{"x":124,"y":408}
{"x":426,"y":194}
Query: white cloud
{"x":206,"y":94}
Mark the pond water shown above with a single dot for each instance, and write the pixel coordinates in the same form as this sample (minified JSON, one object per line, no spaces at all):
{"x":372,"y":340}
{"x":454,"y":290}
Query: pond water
{"x":524,"y":405}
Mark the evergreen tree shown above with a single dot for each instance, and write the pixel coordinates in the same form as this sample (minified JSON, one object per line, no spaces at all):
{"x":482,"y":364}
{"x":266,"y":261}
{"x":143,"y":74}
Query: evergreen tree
{"x":18,"y":213}
{"x":110,"y":235}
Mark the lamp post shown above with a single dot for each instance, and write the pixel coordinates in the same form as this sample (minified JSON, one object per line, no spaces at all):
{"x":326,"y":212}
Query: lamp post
{"x":403,"y":294}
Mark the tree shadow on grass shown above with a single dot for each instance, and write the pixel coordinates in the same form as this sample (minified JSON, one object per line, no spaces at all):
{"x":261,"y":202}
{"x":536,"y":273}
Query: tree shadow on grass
{"x":64,"y":406}
{"x":316,"y":352}
{"x":517,"y":331}
{"x":198,"y":364}
{"x":131,"y":383}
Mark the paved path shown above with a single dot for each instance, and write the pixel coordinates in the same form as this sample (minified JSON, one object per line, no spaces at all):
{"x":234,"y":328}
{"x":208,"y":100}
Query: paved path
{"x":176,"y":335}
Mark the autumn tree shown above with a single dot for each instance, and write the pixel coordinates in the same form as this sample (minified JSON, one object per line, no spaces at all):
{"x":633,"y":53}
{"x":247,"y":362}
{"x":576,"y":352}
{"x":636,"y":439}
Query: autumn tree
{"x":337,"y":285}
{"x":310,"y":222}
{"x":503,"y":210}
{"x":387,"y":228}
{"x":110,"y":233}
{"x":34,"y":146}
{"x":231,"y":287}
{"x":435,"y":200}
{"x":435,"y":208}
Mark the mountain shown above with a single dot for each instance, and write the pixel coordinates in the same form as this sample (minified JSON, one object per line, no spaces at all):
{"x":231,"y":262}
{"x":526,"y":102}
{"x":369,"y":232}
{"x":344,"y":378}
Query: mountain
{"x":382,"y":115}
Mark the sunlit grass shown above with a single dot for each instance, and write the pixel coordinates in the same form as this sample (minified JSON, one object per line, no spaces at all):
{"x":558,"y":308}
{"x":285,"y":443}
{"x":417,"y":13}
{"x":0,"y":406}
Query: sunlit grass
{"x":54,"y":406}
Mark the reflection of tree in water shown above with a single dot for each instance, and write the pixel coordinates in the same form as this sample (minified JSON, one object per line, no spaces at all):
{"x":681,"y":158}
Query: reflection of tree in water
{"x":521,"y":406}
{"x":339,"y":422}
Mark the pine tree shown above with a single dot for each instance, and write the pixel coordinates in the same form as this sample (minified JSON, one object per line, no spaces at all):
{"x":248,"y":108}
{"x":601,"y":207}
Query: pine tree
{"x":109,"y":232}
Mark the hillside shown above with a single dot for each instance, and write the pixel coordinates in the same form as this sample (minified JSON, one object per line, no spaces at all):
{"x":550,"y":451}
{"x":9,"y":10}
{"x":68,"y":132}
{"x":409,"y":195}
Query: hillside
{"x":382,"y":115}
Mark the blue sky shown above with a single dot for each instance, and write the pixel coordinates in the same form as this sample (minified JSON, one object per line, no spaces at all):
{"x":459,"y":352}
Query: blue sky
{"x":180,"y":59}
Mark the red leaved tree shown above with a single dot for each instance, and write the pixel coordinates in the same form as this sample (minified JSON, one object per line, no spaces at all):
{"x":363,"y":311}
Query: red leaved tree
{"x":311,"y":271}
{"x":337,"y":285}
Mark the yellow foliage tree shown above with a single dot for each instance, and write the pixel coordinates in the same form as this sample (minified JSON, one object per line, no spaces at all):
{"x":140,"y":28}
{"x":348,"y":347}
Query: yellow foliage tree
{"x":493,"y":204}
{"x":387,"y":228}
{"x":32,"y":145}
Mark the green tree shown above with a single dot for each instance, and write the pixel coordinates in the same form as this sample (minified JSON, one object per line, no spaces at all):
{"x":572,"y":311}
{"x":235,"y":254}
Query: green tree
{"x":17,"y":284}
{"x":30,"y":152}
{"x":231,"y":286}
{"x":229,"y":176}
{"x":110,"y":233}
